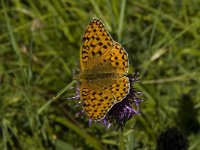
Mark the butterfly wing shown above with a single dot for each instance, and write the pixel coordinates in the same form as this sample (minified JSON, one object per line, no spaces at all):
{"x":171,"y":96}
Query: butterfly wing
{"x":98,"y":96}
{"x":100,"y":53}
{"x":114,"y":61}
{"x":96,"y":41}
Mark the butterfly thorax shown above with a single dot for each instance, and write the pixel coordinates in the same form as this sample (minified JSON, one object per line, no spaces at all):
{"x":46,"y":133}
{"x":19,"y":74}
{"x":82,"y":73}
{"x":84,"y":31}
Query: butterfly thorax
{"x":96,"y":76}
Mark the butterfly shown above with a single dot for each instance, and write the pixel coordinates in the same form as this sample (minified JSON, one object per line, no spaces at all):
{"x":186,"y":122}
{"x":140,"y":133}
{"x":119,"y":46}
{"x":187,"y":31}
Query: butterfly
{"x":103,"y":68}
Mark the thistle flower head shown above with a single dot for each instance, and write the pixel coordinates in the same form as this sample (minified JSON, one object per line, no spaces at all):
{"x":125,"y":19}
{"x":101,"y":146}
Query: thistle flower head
{"x":121,"y":112}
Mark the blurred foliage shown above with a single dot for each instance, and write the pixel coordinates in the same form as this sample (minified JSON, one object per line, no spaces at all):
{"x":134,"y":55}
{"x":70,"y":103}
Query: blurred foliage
{"x":39,"y":49}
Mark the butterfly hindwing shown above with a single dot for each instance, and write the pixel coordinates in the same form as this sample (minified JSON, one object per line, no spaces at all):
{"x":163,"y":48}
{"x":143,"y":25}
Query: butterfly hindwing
{"x":98,"y":96}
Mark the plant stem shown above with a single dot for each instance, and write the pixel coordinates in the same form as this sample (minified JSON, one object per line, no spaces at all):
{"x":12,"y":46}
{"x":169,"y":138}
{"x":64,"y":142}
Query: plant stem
{"x":121,"y":139}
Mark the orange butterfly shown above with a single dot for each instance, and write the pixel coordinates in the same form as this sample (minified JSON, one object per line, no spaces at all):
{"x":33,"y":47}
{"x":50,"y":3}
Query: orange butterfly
{"x":103,"y":68}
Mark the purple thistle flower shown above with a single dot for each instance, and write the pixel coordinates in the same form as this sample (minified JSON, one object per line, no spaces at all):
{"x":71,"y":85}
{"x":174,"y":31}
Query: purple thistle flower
{"x":121,"y":112}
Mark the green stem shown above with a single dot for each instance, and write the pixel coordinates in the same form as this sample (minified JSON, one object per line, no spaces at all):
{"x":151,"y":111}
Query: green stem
{"x":121,"y":19}
{"x":121,"y":139}
{"x":55,"y":97}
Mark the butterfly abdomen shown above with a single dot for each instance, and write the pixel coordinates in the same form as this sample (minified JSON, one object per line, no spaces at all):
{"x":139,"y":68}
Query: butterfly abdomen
{"x":98,"y":76}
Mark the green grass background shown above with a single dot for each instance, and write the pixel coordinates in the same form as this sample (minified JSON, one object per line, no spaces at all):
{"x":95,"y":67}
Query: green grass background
{"x":39,"y":50}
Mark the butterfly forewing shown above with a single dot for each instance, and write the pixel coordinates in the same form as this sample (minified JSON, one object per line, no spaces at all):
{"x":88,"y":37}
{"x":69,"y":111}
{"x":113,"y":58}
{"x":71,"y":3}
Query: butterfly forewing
{"x":114,"y":61}
{"x":95,"y":42}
